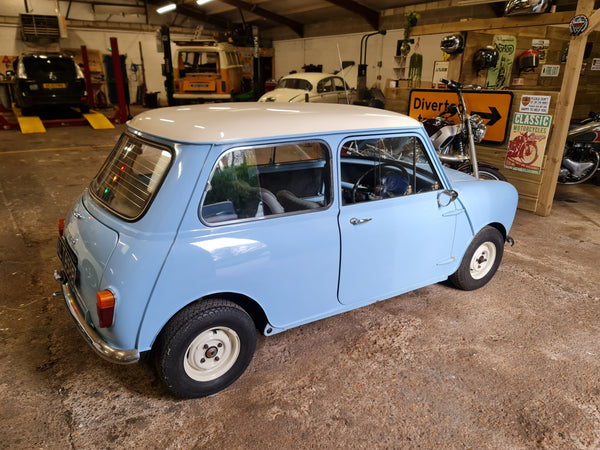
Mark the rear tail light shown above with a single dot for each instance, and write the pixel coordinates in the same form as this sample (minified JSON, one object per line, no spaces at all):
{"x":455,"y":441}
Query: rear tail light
{"x":105,"y":306}
{"x":61,"y":227}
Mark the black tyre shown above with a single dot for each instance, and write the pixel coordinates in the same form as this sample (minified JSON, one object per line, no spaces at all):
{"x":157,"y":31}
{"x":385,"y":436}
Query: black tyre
{"x":481,"y":260}
{"x":84,"y":108}
{"x":204,"y":348}
{"x":487,"y":173}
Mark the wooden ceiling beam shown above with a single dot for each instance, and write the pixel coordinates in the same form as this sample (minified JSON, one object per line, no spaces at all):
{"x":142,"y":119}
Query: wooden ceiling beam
{"x":370,"y":15}
{"x":192,"y":11}
{"x":254,"y":9}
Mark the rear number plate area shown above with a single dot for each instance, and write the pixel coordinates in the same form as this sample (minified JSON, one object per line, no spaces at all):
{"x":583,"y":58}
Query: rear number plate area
{"x":55,"y":85}
{"x":68,"y":259}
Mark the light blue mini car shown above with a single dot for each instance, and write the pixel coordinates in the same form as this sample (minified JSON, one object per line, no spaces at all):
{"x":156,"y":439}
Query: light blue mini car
{"x":210,"y":222}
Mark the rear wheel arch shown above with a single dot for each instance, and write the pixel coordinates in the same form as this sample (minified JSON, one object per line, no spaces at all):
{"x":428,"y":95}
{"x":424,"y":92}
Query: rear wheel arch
{"x":250,"y":306}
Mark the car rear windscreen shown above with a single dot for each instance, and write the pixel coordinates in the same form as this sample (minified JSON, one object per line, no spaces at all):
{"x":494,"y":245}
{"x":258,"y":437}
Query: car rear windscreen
{"x":131,"y":176}
{"x":50,"y":68}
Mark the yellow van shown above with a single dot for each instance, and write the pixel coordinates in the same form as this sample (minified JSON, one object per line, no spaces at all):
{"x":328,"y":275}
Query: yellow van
{"x":206,"y":70}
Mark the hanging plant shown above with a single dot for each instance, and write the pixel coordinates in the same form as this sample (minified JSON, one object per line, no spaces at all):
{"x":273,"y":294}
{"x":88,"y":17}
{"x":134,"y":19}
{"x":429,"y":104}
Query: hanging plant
{"x":410,"y":21}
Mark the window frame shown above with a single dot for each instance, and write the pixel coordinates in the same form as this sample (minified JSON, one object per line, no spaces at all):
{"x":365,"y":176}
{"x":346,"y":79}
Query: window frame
{"x":328,"y":163}
{"x":435,"y":170}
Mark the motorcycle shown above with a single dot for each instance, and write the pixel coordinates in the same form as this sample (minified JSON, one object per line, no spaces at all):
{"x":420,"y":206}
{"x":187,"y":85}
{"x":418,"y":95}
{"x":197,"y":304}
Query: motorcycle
{"x":581,"y":159}
{"x":455,"y":142}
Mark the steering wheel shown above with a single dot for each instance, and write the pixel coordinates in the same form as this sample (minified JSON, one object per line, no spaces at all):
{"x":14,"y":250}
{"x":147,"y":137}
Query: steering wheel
{"x":394,"y":181}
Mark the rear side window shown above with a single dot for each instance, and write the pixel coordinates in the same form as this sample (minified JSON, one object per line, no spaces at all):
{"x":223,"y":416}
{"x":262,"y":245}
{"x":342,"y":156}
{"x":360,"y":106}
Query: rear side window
{"x":131,"y":177}
{"x":254,"y":182}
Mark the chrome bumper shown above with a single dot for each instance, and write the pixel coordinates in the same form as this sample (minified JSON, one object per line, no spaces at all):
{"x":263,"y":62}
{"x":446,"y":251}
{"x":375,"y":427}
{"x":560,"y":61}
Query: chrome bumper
{"x":103,"y":349}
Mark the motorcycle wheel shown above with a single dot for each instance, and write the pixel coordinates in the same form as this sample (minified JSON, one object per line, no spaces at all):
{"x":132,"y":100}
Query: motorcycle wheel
{"x":487,"y":173}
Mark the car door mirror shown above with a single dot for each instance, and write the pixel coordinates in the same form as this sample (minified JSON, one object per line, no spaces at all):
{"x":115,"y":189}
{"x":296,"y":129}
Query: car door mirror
{"x":446,"y":197}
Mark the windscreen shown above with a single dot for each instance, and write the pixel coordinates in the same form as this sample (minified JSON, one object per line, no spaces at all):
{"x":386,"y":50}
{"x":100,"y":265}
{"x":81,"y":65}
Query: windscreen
{"x":131,"y":177}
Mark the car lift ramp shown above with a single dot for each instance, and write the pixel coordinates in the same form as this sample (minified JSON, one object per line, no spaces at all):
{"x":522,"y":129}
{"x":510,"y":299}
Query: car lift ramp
{"x":98,"y":121}
{"x":31,"y":125}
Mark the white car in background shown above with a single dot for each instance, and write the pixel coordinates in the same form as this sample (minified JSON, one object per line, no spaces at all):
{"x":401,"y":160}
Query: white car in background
{"x":311,"y":87}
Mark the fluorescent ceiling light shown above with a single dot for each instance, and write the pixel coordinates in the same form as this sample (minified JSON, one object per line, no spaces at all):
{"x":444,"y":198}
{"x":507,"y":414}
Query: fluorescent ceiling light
{"x":167,"y":8}
{"x":202,"y":2}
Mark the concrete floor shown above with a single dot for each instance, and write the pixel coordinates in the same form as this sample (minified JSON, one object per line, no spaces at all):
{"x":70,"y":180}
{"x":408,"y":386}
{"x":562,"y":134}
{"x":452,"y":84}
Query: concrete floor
{"x":512,"y":365}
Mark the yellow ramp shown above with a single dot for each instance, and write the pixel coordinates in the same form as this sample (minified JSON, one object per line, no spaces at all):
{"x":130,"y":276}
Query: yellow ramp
{"x":30,"y":125}
{"x":98,"y":121}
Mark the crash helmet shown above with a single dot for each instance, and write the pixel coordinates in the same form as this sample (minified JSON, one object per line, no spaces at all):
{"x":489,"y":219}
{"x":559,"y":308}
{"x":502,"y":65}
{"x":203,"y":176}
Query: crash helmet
{"x":452,"y":44}
{"x":485,"y":58}
{"x":528,"y":60}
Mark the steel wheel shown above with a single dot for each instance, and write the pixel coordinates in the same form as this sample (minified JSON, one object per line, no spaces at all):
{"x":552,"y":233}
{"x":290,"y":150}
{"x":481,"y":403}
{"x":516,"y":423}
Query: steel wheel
{"x":212,"y":354}
{"x":483,"y":260}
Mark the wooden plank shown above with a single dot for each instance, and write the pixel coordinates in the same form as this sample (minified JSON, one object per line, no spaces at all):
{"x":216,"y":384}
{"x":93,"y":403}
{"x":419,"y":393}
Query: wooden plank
{"x":495,"y":23}
{"x":527,"y":204}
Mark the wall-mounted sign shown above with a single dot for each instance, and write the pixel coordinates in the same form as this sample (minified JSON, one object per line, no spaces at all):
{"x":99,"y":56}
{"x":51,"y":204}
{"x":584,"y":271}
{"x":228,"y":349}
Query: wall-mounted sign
{"x":535,"y":104}
{"x":595,"y":64}
{"x":527,"y":143}
{"x":578,"y":24}
{"x":550,"y":70}
{"x":440,"y":70}
{"x":541,"y":46}
{"x":493,"y":107}
{"x":499,"y":77}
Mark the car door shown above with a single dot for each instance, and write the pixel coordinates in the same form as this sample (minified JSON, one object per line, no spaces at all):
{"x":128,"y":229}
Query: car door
{"x":395,"y":236}
{"x":326,"y":91}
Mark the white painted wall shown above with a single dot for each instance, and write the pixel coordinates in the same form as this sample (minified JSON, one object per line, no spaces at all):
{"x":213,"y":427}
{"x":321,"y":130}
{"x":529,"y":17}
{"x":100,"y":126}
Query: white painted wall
{"x":293,"y":54}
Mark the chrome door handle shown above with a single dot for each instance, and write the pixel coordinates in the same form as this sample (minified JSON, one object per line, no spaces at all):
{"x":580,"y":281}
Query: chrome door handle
{"x":355,"y":221}
{"x":77,"y":215}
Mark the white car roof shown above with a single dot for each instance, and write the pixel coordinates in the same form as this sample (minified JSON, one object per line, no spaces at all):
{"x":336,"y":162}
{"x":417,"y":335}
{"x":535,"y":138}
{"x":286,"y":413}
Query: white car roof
{"x":222,"y":122}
